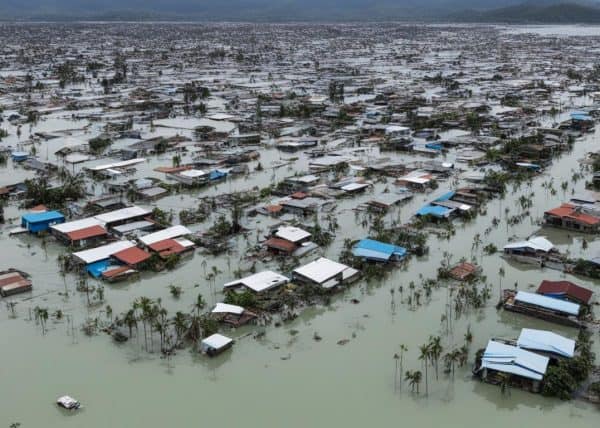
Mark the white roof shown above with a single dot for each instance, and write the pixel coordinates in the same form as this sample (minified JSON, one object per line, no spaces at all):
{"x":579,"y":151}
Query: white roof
{"x":185,"y":243}
{"x":260,"y":281}
{"x":118,"y":164}
{"x":542,"y":340}
{"x":216,"y":341}
{"x":354,"y":186}
{"x":221,"y":116}
{"x":193,"y":173}
{"x":66,"y":401}
{"x":168,"y":233}
{"x":292,"y":234}
{"x":224,"y":308}
{"x":103,"y":252}
{"x":547,"y":302}
{"x":121,"y":164}
{"x":538,"y":243}
{"x":76,"y":225}
{"x":122,"y":214}
{"x":510,"y":359}
{"x":321,"y":270}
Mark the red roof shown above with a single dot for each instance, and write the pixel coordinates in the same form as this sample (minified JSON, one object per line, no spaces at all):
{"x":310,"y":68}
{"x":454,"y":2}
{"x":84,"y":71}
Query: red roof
{"x":169,"y":245}
{"x":132,"y":256}
{"x":298,"y":195}
{"x":39,"y":208}
{"x":566,"y":288}
{"x":111,"y":273}
{"x":463,"y":270}
{"x":281,"y":245}
{"x":571,"y":211}
{"x":12,"y":278}
{"x":86,"y":233}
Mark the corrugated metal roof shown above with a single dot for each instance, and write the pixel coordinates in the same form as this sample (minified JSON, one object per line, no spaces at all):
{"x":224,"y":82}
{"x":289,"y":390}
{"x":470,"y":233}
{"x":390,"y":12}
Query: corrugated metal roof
{"x":547,"y":302}
{"x":510,"y":359}
{"x":216,"y":341}
{"x":43,"y":216}
{"x":291,"y":233}
{"x":86,"y":233}
{"x":103,"y":252}
{"x":123,"y":214}
{"x":547,"y":341}
{"x":321,"y":270}
{"x":564,"y":289}
{"x":372,"y":249}
{"x":260,"y":281}
{"x":168,"y":233}
{"x":434,"y":210}
{"x":224,"y":308}
{"x":76,"y":225}
{"x":132,"y":256}
{"x":538,"y":243}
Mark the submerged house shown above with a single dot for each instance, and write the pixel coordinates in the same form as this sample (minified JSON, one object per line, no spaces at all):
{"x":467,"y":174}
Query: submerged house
{"x":546,"y":343}
{"x":376,"y":251}
{"x":572,"y":217}
{"x":79,"y":233}
{"x":290,"y":240}
{"x":13,"y":281}
{"x":36,"y":222}
{"x":524,"y":368}
{"x":325,"y":273}
{"x":258,"y":283}
{"x":197,"y":177}
{"x":123,"y":216}
{"x":215,"y":344}
{"x":97,"y":260}
{"x":232,"y":314}
{"x":535,"y":250}
{"x":542,"y":307}
{"x":565,"y":290}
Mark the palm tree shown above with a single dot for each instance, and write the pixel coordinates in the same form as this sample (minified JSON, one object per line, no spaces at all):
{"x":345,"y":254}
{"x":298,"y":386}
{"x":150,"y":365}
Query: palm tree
{"x":180,"y":324}
{"x":396,"y":358}
{"x":424,"y":355}
{"x":435,"y":350}
{"x":409,"y":376}
{"x":130,"y":321}
{"x":450,"y":360}
{"x":403,"y":349}
{"x":416,"y":378}
{"x":199,"y":304}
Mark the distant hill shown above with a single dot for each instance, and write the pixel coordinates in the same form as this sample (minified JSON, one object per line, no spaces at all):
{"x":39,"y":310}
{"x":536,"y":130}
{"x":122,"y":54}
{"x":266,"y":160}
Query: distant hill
{"x":562,"y":13}
{"x":292,"y":10}
{"x":243,"y":10}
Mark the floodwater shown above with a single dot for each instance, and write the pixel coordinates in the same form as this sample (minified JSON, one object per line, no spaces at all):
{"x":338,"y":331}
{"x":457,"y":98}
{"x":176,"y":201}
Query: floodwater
{"x":284,"y":379}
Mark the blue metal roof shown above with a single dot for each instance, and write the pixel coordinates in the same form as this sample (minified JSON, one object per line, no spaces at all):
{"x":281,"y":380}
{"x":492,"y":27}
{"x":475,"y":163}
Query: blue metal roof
{"x":376,"y":250}
{"x":446,"y":196}
{"x":548,"y":302}
{"x":581,"y":116}
{"x":42,"y":216}
{"x":95,"y":269}
{"x":434,"y":210}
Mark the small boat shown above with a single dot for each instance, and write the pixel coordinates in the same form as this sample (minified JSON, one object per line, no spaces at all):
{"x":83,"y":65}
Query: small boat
{"x":68,"y":403}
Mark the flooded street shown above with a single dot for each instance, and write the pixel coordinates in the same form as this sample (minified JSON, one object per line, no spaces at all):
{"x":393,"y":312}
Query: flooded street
{"x":285,"y":377}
